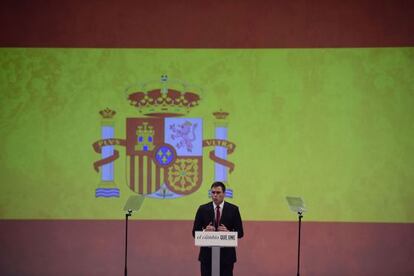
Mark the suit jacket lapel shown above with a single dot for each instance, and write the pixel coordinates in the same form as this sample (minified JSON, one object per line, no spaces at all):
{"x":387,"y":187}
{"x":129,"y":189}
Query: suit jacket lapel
{"x":224,"y":213}
{"x":211,"y":212}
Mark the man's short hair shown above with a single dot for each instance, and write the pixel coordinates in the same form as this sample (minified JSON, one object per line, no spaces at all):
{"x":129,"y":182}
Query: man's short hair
{"x":218,"y":184}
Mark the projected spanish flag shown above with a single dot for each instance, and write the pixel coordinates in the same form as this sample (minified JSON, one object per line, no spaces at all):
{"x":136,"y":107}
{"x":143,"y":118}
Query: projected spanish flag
{"x":86,"y":122}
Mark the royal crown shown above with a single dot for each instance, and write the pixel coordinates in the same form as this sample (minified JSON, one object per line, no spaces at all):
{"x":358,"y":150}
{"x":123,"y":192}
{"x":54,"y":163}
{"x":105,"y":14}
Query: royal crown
{"x":107,"y":113}
{"x":220,"y":115}
{"x":168,"y":98}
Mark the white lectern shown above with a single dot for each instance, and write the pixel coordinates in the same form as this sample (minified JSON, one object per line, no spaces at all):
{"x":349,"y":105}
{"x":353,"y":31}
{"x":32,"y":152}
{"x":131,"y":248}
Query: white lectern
{"x":215,"y":240}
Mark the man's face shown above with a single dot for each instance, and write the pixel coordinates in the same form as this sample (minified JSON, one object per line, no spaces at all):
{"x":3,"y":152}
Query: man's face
{"x":217,"y":195}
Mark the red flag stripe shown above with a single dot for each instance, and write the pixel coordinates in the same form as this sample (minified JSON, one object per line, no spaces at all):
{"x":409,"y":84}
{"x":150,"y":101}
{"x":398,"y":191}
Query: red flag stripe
{"x":194,"y":24}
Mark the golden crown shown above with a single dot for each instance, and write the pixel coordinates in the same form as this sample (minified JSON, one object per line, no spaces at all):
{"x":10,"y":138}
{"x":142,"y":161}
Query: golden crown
{"x":220,"y":114}
{"x":107,"y":113}
{"x":168,"y":99}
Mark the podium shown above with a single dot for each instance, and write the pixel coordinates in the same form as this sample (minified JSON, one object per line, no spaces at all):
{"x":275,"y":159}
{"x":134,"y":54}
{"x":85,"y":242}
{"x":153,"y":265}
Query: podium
{"x":215,"y":240}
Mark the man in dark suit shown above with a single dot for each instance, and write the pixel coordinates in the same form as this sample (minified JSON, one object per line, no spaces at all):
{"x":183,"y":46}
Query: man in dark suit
{"x":218,"y":216}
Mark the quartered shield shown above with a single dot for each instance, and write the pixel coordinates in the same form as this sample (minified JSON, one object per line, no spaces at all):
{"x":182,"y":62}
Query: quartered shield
{"x":164,"y":152}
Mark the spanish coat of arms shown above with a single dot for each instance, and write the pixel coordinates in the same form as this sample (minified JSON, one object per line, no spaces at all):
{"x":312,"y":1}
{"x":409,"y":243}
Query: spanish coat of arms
{"x":164,"y":150}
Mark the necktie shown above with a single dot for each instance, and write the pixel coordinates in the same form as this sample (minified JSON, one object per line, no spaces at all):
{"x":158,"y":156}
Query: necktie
{"x":217,"y":216}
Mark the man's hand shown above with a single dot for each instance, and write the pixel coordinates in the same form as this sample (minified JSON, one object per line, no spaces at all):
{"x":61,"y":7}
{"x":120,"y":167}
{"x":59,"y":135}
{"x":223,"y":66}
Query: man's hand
{"x":209,"y":228}
{"x":222,"y":228}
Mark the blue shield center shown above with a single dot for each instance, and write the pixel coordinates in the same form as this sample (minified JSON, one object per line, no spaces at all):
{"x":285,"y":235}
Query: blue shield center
{"x":164,"y":156}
